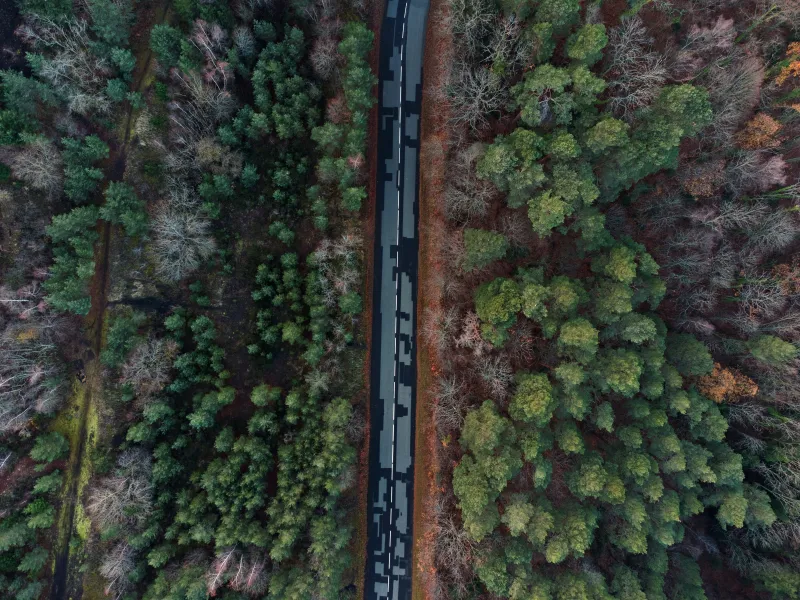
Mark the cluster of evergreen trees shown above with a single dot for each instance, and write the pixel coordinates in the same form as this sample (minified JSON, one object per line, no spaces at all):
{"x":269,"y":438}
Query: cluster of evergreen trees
{"x":204,"y":480}
{"x":23,"y":556}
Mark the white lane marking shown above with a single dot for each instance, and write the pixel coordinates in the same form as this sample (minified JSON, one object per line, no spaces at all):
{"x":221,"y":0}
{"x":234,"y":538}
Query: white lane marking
{"x":396,"y":295}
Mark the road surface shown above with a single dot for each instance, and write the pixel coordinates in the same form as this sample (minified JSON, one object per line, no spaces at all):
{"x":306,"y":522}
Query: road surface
{"x":391,"y":466}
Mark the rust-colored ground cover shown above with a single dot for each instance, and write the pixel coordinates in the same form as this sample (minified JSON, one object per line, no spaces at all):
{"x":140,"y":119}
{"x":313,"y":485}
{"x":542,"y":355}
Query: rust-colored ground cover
{"x":433,"y":152}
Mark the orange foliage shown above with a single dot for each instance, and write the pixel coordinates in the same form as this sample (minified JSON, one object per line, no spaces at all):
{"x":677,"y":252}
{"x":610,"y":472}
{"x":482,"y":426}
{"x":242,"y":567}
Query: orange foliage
{"x":704,"y":181}
{"x":789,"y":277}
{"x":759,"y":132}
{"x":790,"y":70}
{"x":726,"y":385}
{"x":793,"y":68}
{"x":704,"y":184}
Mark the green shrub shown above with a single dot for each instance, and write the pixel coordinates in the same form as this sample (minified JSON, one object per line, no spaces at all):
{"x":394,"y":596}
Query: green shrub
{"x":483,"y":248}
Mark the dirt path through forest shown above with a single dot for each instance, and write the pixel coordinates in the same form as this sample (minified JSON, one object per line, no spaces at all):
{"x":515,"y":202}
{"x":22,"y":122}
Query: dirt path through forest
{"x":67,"y":579}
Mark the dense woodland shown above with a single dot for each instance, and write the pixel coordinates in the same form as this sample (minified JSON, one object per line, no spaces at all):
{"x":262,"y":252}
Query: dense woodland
{"x":614,"y":322}
{"x":182,"y":252}
{"x":613,"y":327}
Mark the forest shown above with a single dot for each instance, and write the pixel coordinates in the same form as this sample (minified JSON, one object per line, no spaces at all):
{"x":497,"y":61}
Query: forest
{"x":609,"y":299}
{"x":181,"y":382}
{"x":611,"y":310}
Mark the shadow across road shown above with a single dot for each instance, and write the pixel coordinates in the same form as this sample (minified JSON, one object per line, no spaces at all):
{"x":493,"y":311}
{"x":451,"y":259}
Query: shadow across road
{"x":393,"y":370}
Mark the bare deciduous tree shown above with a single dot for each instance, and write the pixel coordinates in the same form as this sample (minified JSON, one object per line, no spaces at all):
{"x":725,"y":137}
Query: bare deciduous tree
{"x":786,"y":325}
{"x":517,"y":229}
{"x":244,"y":41}
{"x":474,"y":93}
{"x":338,"y":264}
{"x":356,"y":426}
{"x":467,"y":199}
{"x":786,"y":12}
{"x":71,"y":65}
{"x":761,"y":298}
{"x":471,"y":335}
{"x":636,"y":73}
{"x":244,"y":572}
{"x":251,"y":575}
{"x":124,"y":498}
{"x":195,"y":113}
{"x":506,"y":46}
{"x":336,"y":110}
{"x":466,"y":196}
{"x":216,"y":158}
{"x":520,"y":343}
{"x":471,"y":22}
{"x":497,"y":374}
{"x":454,"y":550}
{"x":730,"y":215}
{"x":6,"y":460}
{"x":733,"y":85}
{"x":324,"y":57}
{"x":181,"y":240}
{"x":318,"y":382}
{"x":438,"y":327}
{"x":148,"y":366}
{"x":782,"y":479}
{"x":711,"y":40}
{"x":38,"y":164}
{"x":774,"y":233}
{"x":212,"y":42}
{"x":754,"y":172}
{"x":117,"y":564}
{"x":32,"y":373}
{"x":451,"y":401}
{"x":225,"y":566}
{"x":454,"y":251}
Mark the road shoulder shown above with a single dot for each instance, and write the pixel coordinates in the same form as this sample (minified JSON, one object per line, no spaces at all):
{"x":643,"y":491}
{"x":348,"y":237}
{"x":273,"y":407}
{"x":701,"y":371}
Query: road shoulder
{"x":433,"y":144}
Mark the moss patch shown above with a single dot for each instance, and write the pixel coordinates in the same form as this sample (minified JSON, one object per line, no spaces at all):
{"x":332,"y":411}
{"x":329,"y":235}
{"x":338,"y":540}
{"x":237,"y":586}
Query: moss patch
{"x":82,"y":523}
{"x":68,"y":423}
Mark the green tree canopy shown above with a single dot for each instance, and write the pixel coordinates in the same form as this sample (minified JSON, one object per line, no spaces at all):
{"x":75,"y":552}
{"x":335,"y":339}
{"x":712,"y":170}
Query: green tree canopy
{"x":497,"y":303}
{"x":483,"y":247}
{"x":771,"y":350}
{"x":689,"y":355}
{"x":123,"y":207}
{"x":49,"y":447}
{"x":578,"y":339}
{"x":533,"y":399}
{"x":586,"y":45}
{"x":165,"y":41}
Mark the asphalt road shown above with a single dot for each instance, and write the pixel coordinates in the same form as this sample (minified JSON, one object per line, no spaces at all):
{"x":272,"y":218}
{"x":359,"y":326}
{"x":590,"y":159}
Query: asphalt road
{"x":391,"y":465}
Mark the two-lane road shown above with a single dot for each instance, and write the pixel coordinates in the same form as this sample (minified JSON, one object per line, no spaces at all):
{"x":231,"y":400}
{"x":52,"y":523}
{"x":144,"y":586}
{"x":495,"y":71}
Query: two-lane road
{"x":391,"y":465}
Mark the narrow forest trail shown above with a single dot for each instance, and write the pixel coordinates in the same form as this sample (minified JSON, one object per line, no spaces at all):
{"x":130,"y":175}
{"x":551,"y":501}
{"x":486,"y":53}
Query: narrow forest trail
{"x":81,"y":428}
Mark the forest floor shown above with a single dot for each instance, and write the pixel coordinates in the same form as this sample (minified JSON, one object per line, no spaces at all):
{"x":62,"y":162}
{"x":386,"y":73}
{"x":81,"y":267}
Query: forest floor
{"x":433,"y":148}
{"x":78,"y":421}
